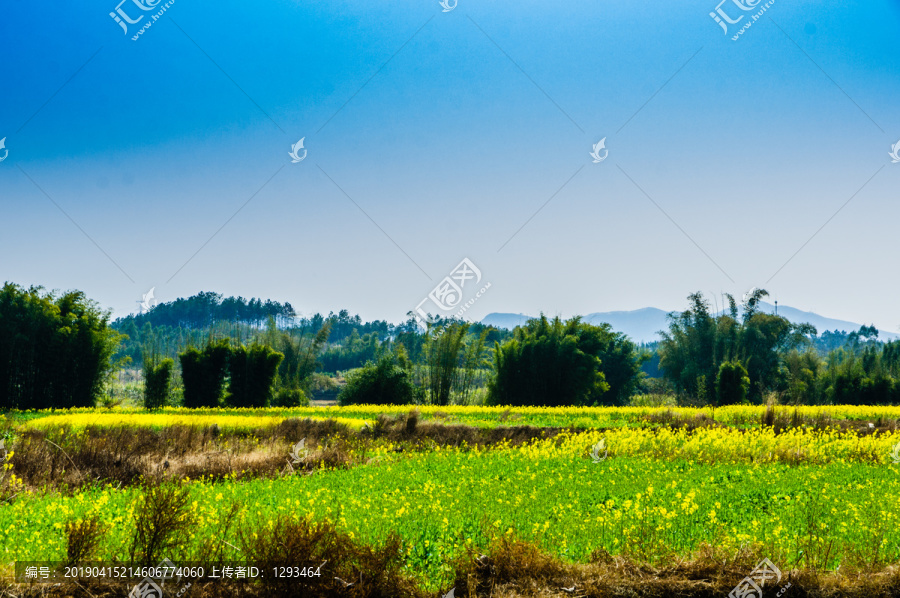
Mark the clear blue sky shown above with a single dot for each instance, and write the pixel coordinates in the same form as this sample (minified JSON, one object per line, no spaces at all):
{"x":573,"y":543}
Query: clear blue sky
{"x":449,"y":130}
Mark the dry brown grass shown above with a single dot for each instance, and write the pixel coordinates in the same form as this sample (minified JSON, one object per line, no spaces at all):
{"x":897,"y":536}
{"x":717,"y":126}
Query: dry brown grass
{"x":162,"y":520}
{"x":510,"y":568}
{"x":411,"y":432}
{"x":82,"y":539}
{"x":784,"y":417}
{"x":122,"y":455}
{"x":348,"y":567}
{"x":676,"y":421}
{"x":507,"y":568}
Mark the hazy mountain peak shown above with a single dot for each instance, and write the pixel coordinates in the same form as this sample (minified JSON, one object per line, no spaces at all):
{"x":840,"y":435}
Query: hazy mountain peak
{"x":643,"y":325}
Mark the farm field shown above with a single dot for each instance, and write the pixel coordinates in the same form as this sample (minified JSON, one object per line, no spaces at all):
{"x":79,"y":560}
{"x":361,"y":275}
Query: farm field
{"x":664,"y":486}
{"x":746,"y":416}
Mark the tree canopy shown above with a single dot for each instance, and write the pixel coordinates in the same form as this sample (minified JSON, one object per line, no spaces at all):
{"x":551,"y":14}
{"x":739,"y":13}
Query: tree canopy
{"x":206,"y":308}
{"x":555,"y":363}
{"x":699,"y":342}
{"x":55,"y":349}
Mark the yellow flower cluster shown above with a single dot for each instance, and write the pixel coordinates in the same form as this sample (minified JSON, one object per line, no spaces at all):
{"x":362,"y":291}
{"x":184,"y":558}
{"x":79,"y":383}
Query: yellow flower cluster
{"x":79,"y":421}
{"x":713,"y":445}
{"x":483,"y":416}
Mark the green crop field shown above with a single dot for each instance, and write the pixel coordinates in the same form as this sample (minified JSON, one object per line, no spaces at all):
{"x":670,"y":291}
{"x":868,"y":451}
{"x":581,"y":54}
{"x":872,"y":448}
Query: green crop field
{"x":808,"y":499}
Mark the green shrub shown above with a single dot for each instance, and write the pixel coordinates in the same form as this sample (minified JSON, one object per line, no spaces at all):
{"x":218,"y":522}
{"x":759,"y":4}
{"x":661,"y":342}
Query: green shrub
{"x":653,"y":400}
{"x":550,"y":363}
{"x":732,"y":383}
{"x":156,"y":383}
{"x":290,"y":397}
{"x":253,"y":370}
{"x":322,"y":386}
{"x":381,"y":383}
{"x":203,"y":374}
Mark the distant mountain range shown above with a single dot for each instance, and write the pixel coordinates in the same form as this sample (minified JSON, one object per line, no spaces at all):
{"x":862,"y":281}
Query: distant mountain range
{"x":643,"y":325}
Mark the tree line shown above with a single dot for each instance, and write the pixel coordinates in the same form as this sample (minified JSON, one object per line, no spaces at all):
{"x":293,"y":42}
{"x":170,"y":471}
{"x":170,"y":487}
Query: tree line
{"x":60,"y":350}
{"x":746,"y":355}
{"x":206,"y":309}
{"x":351,"y":341}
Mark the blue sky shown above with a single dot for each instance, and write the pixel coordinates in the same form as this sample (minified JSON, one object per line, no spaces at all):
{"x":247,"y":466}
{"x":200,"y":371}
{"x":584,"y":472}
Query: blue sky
{"x":434,"y":136}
